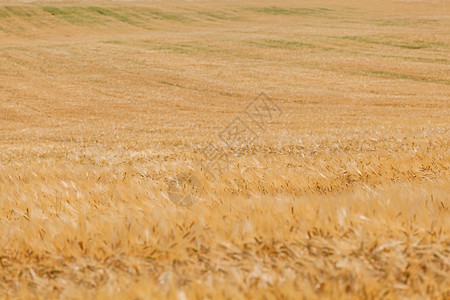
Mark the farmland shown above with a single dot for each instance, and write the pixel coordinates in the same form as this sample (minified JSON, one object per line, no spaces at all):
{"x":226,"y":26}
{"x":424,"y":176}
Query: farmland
{"x":341,"y":193}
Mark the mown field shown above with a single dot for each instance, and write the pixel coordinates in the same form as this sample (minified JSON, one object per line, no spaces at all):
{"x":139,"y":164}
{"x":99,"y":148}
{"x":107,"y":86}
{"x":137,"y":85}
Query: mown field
{"x":342,"y":193}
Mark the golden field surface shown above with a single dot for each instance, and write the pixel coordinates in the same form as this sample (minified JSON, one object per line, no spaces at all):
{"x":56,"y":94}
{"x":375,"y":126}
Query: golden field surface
{"x":344,"y":193}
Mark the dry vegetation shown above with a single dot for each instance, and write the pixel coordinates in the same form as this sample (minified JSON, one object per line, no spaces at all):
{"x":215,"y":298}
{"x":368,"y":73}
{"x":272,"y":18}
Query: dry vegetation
{"x":346,"y":195}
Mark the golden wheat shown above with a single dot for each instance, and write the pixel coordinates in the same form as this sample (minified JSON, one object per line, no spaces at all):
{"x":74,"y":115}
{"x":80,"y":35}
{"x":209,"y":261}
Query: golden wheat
{"x":106,"y":109}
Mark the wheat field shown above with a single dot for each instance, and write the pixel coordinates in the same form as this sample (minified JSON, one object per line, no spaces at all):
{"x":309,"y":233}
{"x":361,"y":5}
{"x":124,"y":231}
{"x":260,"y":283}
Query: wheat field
{"x":106,"y":108}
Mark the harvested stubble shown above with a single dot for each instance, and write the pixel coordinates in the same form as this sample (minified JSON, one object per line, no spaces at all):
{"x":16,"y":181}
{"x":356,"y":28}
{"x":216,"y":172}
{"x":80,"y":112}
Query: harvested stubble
{"x":343,"y":196}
